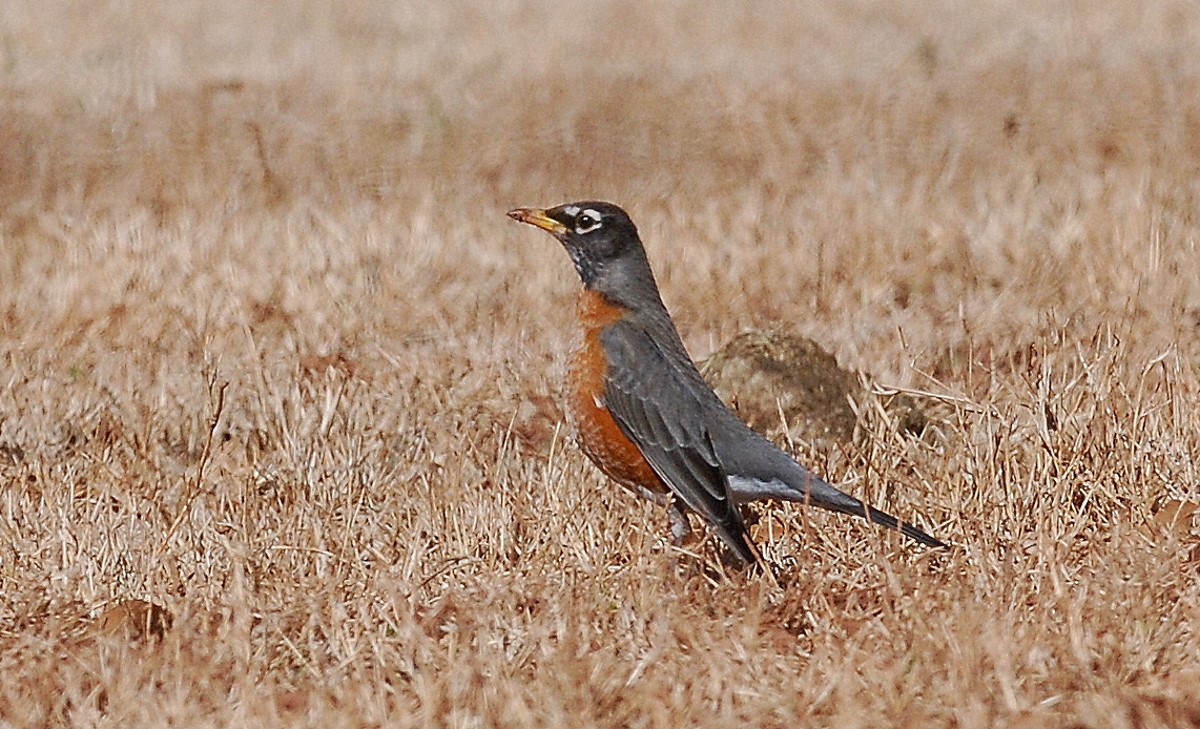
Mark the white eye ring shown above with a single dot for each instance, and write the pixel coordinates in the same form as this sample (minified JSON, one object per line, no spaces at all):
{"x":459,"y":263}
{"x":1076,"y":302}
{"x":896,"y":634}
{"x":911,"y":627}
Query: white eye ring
{"x":587,"y":221}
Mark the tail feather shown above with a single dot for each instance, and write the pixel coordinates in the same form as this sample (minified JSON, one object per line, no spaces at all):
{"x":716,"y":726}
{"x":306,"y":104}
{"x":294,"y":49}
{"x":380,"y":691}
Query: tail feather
{"x":815,"y":491}
{"x":903,"y":527}
{"x":829,"y":497}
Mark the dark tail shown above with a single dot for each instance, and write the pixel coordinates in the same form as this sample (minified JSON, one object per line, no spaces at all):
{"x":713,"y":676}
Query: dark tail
{"x":817,"y":492}
{"x":904,"y":528}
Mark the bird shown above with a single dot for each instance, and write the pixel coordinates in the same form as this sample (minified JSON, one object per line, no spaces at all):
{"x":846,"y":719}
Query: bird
{"x":640,"y":409}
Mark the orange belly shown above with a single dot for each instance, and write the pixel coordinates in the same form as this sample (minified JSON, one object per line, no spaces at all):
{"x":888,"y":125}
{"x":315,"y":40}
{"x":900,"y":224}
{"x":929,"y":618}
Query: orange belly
{"x":597,"y":433}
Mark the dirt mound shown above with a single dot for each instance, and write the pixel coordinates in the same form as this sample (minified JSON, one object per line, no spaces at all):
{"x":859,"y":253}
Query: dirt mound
{"x":773,"y":376}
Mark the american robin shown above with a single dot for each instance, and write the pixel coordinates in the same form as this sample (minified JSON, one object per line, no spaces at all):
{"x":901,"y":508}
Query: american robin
{"x":641,"y":410}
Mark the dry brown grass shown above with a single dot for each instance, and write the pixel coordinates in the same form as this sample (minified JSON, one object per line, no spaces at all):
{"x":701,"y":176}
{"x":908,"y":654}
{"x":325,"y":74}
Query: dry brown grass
{"x":290,"y":215}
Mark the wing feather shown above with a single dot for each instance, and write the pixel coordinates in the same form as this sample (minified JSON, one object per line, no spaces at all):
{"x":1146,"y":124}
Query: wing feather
{"x":652,"y":402}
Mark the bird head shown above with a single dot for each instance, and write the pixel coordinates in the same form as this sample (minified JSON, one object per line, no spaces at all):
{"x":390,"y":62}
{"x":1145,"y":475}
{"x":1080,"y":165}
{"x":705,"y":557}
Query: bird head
{"x":602,"y":242}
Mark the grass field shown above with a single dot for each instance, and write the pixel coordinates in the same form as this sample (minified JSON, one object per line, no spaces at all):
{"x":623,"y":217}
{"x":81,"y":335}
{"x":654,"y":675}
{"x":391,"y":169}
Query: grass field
{"x":274,"y":360}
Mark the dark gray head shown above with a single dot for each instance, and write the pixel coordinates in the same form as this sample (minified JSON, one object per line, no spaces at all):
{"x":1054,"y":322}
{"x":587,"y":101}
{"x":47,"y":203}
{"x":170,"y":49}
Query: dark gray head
{"x":604,"y":246}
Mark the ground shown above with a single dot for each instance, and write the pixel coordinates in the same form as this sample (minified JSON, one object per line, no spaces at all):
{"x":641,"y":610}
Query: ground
{"x":280,"y":441}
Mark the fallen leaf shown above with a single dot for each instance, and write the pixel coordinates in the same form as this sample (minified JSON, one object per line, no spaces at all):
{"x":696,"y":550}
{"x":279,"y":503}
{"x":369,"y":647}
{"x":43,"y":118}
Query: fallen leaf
{"x":132,"y":620}
{"x":1175,"y":517}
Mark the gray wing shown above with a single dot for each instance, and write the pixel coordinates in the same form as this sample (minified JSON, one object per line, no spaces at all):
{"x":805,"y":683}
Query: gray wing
{"x":655,"y":402}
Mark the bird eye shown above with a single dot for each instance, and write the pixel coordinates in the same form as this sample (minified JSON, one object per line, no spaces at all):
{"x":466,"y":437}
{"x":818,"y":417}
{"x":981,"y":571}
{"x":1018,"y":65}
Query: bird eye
{"x":586,"y":222}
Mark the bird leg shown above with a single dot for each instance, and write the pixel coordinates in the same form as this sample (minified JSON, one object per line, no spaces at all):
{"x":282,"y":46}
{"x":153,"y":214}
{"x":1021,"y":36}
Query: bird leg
{"x":681,"y":528}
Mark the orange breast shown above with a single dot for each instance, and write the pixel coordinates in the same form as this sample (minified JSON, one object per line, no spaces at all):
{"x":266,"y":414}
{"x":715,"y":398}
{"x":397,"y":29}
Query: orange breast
{"x":598,"y":435}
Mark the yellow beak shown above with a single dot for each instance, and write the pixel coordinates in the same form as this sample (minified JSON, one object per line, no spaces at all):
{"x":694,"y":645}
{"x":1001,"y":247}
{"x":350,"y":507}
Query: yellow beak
{"x":538,"y":218}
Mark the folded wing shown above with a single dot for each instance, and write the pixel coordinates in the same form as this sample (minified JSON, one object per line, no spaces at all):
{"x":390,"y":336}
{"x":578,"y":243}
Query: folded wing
{"x":647,"y":393}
